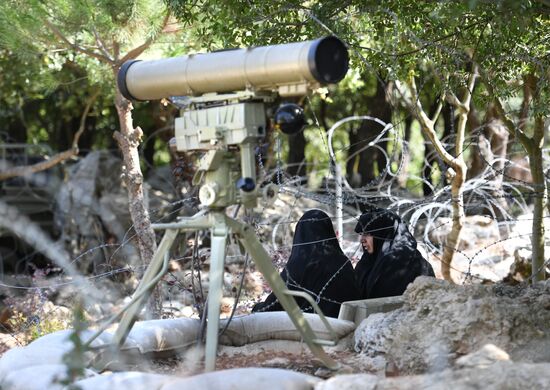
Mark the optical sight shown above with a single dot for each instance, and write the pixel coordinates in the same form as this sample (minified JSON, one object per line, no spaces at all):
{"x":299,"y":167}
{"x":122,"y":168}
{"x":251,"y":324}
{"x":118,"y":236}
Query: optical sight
{"x":227,"y":96}
{"x":288,"y":69}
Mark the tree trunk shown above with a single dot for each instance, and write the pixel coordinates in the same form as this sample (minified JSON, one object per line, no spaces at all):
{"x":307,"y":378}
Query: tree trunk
{"x":457,"y":196}
{"x":352,"y":175}
{"x":128,"y":140}
{"x":404,"y":174}
{"x":533,"y":147}
{"x":539,"y":183}
{"x":296,"y":154}
{"x":492,"y":143}
{"x":17,"y":129}
{"x":371,"y":160}
{"x":431,"y":156}
{"x":367,"y":158}
{"x":453,"y":239}
{"x":480,"y":146}
{"x":457,"y":163}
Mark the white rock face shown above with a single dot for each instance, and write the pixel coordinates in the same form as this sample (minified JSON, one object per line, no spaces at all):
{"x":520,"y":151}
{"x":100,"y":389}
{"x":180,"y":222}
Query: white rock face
{"x":440,"y":322}
{"x":501,"y":375}
{"x":483,"y":358}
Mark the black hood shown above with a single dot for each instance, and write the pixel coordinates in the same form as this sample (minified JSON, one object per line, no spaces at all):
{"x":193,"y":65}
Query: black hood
{"x":317,"y":266}
{"x":314,"y":236}
{"x":395,"y":261}
{"x":382,"y":225}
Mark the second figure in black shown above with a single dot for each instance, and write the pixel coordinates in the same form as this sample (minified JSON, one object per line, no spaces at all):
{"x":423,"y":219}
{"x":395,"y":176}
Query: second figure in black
{"x":390,"y":261}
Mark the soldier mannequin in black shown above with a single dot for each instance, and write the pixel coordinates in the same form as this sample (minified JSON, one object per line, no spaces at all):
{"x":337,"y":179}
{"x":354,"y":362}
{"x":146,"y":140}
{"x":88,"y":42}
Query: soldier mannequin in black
{"x":317,"y":266}
{"x":390,"y":260}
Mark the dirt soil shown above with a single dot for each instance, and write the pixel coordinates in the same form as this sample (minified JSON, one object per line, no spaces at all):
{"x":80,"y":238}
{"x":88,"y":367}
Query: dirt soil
{"x":300,"y":362}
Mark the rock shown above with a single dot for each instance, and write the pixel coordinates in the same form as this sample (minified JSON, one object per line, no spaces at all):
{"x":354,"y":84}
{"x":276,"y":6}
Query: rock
{"x":65,"y":294}
{"x":489,"y":260}
{"x":440,"y":322}
{"x":520,"y":269}
{"x":8,"y":341}
{"x":350,"y":382}
{"x":324,"y":372}
{"x":500,"y":375}
{"x":92,"y":208}
{"x":483,"y":358}
{"x":6,"y":313}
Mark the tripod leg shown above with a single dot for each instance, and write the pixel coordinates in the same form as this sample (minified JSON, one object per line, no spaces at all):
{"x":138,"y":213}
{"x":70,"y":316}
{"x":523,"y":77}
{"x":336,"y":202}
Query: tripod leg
{"x":152,"y":275}
{"x":217,"y":256}
{"x":263,"y":263}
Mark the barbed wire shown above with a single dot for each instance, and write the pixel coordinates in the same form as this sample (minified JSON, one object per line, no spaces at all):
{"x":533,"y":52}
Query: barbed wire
{"x":299,"y":192}
{"x":378,"y":191}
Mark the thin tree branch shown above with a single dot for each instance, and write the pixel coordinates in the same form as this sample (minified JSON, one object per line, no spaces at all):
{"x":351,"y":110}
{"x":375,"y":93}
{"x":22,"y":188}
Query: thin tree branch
{"x":508,"y":122}
{"x":116,"y":52}
{"x":41,"y":166}
{"x":424,"y":46}
{"x":57,"y":158}
{"x":82,"y":126}
{"x":101,"y":45}
{"x":74,"y":46}
{"x":136,"y":52}
{"x":464,"y":109}
{"x":510,"y":125}
{"x":428,"y":126}
{"x":435,"y":116}
{"x":451,"y":98}
{"x":529,"y":84}
{"x":416,"y":104}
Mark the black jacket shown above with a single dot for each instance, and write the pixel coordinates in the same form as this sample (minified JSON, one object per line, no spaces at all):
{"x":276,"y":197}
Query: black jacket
{"x":395,"y":261}
{"x":317,"y":266}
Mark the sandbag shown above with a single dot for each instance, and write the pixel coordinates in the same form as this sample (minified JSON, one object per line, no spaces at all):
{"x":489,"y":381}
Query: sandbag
{"x":48,"y":349}
{"x":42,"y":377}
{"x":163,"y":335}
{"x":125,"y":380}
{"x":262,"y":347}
{"x":246,"y":379}
{"x":170,"y":335}
{"x":17,"y":359}
{"x":277,"y":325}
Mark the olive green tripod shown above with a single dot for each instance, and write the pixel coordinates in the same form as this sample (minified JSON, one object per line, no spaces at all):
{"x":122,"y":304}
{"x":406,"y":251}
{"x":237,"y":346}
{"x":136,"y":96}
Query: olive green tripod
{"x":226,"y":174}
{"x":221,"y":226}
